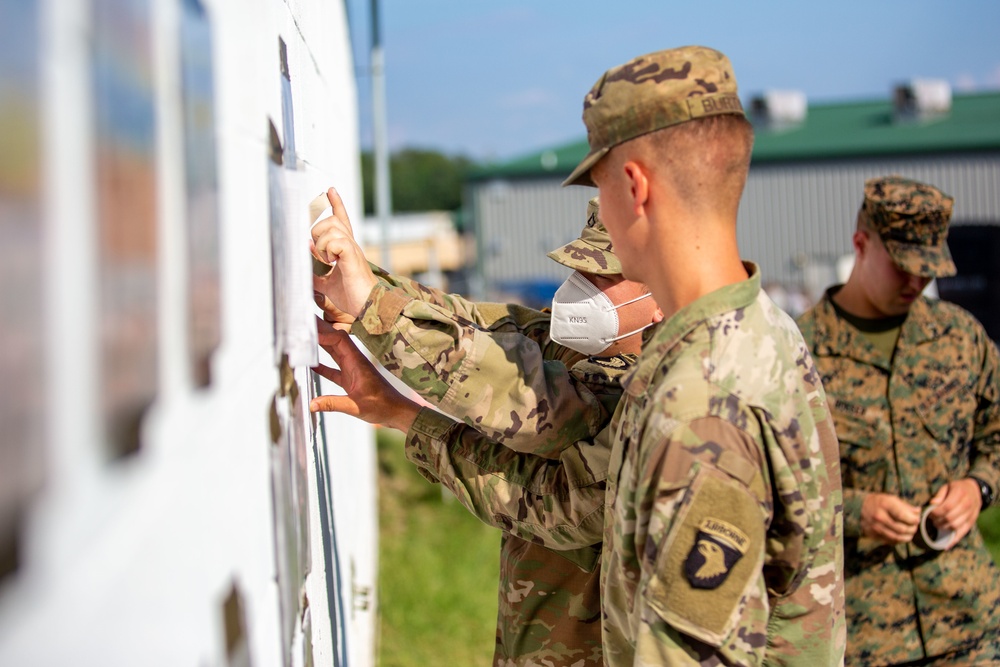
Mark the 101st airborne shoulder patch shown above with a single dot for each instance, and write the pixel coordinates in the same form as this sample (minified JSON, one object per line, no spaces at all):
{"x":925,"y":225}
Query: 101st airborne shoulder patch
{"x":716,"y":549}
{"x":709,"y":559}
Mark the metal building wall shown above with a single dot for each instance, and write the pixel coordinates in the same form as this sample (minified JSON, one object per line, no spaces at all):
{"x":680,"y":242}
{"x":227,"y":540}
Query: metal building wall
{"x":795,"y":219}
{"x":517,"y":222}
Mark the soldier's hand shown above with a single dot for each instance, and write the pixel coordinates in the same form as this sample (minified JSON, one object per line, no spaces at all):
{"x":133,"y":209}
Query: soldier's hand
{"x":958,"y":506}
{"x":350,"y":281}
{"x":332,"y":316}
{"x":329,"y":334}
{"x":889,"y":518}
{"x":369,"y":395}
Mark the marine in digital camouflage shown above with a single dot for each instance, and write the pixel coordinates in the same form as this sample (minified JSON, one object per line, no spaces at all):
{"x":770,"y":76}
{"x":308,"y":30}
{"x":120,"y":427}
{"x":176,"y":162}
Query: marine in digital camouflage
{"x":910,"y":419}
{"x":652,"y":92}
{"x":912,"y":219}
{"x":723,"y":438}
{"x":906,"y":427}
{"x":495,"y":366}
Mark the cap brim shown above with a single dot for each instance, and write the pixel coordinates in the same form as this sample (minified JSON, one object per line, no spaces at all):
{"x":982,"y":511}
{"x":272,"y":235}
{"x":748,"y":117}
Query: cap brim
{"x":921,"y":260}
{"x":570,"y":256}
{"x":581,"y":175}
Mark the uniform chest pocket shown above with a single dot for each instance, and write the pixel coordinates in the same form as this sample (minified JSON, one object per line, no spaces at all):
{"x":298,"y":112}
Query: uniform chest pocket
{"x":947,"y":411}
{"x":865,"y":437}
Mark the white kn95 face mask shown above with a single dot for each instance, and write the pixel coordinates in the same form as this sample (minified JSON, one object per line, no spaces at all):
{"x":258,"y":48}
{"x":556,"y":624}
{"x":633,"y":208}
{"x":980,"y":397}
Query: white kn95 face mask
{"x":584,"y":318}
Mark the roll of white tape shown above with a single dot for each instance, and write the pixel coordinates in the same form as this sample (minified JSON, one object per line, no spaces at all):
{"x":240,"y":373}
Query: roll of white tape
{"x":933,"y":537}
{"x":317,"y":208}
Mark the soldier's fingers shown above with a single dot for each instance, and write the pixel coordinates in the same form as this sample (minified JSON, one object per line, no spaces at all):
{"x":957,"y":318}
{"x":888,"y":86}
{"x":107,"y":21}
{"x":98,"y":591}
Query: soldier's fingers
{"x":322,"y":325}
{"x":321,"y":227}
{"x":332,"y":224}
{"x":895,"y":534}
{"x":333,"y":243}
{"x":902,"y":512}
{"x":339,"y":346}
{"x":335,"y":338}
{"x":329,"y":225}
{"x":939,"y":497}
{"x":957,"y":518}
{"x":312,"y":249}
{"x":342,"y":404}
{"x":960,"y":532}
{"x":946,"y":516}
{"x":960,"y":503}
{"x":339,"y":210}
{"x":331,"y":333}
{"x":331,"y":374}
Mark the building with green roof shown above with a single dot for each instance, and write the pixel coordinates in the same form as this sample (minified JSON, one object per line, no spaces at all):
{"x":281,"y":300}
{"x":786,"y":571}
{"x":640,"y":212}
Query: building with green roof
{"x":800,"y":204}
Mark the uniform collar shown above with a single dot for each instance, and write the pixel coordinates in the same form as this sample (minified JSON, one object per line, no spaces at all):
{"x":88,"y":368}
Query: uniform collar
{"x":835,"y":337}
{"x":668,"y":334}
{"x":921,"y":326}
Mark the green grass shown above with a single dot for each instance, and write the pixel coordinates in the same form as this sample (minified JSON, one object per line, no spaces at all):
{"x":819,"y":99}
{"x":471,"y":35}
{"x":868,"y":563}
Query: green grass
{"x":989,"y":526}
{"x":438,"y":570}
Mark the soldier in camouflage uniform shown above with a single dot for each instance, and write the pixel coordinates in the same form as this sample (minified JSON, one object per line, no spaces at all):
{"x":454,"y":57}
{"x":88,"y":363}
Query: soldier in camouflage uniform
{"x":915,"y":389}
{"x":722,"y":533}
{"x":496,"y":367}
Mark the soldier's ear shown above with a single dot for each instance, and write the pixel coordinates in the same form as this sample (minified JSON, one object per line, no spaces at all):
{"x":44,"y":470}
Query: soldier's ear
{"x":638,"y":183}
{"x":861,"y":240}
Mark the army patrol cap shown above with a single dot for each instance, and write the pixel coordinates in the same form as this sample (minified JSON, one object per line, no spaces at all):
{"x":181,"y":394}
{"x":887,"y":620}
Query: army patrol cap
{"x":912,"y":220}
{"x":652,"y":92}
{"x":591,"y":252}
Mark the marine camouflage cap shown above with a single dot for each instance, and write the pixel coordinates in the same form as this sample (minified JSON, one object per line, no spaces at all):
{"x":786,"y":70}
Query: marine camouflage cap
{"x":592,"y":251}
{"x":912,"y":220}
{"x":652,"y":92}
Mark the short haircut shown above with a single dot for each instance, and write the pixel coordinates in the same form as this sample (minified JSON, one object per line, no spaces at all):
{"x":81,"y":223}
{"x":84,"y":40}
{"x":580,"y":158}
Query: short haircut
{"x":706,"y":160}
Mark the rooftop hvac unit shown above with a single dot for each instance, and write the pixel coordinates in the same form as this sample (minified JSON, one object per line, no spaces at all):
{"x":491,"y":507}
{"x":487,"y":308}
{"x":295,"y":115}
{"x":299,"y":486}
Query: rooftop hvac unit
{"x":921,"y":99}
{"x":779,"y":109}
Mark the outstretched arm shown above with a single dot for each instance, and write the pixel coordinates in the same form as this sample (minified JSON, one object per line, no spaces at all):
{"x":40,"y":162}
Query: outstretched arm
{"x":559,"y":503}
{"x":369,"y":396}
{"x":491,"y":365}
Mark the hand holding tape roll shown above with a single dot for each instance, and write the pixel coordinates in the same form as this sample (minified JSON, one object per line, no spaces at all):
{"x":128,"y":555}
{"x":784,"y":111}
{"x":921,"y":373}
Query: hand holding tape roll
{"x":929,"y":536}
{"x":342,"y":273}
{"x":317,"y":207}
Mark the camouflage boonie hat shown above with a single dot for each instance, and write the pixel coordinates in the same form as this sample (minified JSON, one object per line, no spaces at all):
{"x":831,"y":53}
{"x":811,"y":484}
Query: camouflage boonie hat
{"x":912,"y":220}
{"x":651,"y":92}
{"x":591,"y":252}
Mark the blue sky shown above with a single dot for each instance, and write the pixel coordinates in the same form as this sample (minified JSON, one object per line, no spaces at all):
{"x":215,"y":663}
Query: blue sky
{"x":495,"y":80}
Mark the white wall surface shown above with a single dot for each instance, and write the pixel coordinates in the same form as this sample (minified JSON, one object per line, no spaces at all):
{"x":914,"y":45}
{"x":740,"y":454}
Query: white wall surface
{"x":128,"y":562}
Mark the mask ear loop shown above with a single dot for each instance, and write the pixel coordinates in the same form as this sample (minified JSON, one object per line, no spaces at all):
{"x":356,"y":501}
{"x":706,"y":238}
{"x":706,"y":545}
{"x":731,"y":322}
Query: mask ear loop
{"x":592,"y":290}
{"x":631,"y":333}
{"x":638,"y":298}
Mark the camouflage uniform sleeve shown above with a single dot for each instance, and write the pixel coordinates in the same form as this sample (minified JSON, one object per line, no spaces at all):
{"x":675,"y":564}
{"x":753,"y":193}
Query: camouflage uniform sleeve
{"x":557,"y":503}
{"x":491,"y":316}
{"x":421,"y":292}
{"x":492,"y":365}
{"x":709,"y":561}
{"x":679,"y":486}
{"x":985,"y":450}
